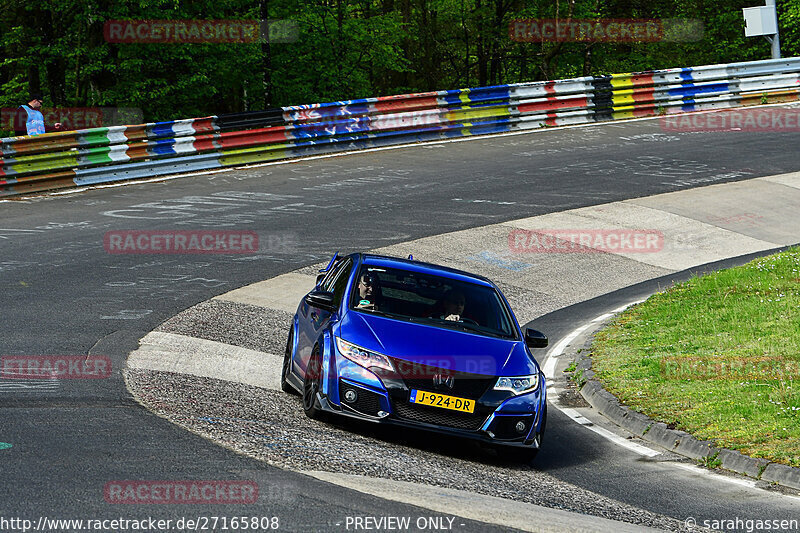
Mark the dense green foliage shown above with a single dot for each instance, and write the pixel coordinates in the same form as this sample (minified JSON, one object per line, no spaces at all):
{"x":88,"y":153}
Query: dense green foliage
{"x":346,"y":49}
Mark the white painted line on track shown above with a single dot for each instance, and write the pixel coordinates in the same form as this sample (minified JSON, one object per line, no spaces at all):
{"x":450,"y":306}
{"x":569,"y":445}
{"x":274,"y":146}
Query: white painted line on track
{"x":550,"y":361}
{"x":702,"y":471}
{"x":29,"y":385}
{"x":551,"y":358}
{"x":749,"y":483}
{"x":576,"y":416}
{"x":622,"y":308}
{"x":549,"y":371}
{"x":616,"y":439}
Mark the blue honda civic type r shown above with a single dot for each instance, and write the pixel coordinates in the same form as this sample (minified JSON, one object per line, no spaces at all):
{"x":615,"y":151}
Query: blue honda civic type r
{"x":397,"y":341}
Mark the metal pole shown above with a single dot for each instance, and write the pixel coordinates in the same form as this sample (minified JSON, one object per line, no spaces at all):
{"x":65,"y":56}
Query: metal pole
{"x":775,"y":40}
{"x":266,"y":53}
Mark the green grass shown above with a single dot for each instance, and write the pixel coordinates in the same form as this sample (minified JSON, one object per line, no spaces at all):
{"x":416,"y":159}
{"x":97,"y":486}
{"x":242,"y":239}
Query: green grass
{"x":717,"y":356}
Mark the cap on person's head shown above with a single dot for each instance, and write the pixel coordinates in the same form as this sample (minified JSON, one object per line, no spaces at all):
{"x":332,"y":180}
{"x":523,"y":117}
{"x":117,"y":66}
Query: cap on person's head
{"x":36,"y":96}
{"x":371,"y":277}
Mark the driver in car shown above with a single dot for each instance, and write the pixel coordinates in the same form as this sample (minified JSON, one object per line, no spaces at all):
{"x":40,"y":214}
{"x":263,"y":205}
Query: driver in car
{"x":369,"y":292}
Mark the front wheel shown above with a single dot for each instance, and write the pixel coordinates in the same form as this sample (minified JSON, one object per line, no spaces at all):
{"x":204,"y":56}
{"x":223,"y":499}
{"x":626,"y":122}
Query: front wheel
{"x":311,"y":385}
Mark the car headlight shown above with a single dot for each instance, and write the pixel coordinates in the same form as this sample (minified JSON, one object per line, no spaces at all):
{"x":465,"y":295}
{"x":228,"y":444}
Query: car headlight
{"x":363,"y":357}
{"x":518,"y":385}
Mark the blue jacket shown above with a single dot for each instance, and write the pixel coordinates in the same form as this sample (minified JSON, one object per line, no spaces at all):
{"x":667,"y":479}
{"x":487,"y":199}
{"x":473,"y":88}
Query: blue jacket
{"x":35,"y":121}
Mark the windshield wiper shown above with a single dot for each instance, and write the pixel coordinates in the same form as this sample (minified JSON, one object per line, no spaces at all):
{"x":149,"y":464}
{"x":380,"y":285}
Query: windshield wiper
{"x":377,"y":312}
{"x":467,"y":326}
{"x":463,"y":325}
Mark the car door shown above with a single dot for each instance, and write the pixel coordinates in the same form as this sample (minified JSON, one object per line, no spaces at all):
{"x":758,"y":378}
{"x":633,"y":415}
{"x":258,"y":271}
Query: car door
{"x":313,"y":320}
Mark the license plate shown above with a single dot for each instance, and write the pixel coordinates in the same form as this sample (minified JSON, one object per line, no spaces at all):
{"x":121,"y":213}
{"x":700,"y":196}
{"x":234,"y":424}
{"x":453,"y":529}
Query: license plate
{"x":442,"y":400}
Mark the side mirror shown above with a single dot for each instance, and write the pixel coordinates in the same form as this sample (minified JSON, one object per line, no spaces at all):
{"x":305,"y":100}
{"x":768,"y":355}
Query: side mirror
{"x":535,"y":339}
{"x":322,"y":300}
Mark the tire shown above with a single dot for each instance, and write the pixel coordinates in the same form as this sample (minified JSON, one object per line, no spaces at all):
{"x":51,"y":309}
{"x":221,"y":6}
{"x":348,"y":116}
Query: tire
{"x":287,"y":362}
{"x":311,"y":386}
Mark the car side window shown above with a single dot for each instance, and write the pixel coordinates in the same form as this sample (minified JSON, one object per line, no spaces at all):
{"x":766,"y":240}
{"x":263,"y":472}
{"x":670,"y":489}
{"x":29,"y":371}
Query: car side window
{"x":340,"y":283}
{"x":327,"y":282}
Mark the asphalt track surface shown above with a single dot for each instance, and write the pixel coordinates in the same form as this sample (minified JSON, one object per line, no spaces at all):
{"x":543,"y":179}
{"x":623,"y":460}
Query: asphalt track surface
{"x":63,"y":294}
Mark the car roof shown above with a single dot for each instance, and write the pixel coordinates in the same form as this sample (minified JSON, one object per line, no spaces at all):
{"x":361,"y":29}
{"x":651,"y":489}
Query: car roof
{"x":422,"y":267}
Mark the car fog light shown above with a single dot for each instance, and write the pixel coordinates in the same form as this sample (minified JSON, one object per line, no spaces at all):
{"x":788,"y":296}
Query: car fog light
{"x":350,"y":396}
{"x":520,"y":427}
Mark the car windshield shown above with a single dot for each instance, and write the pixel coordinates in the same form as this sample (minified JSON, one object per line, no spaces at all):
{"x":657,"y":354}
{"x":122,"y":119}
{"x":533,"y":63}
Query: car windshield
{"x":433,"y":300}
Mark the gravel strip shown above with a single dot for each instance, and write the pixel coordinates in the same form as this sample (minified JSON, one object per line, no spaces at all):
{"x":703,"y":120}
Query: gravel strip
{"x":247,"y":326}
{"x":313,"y":270}
{"x":271,"y":426}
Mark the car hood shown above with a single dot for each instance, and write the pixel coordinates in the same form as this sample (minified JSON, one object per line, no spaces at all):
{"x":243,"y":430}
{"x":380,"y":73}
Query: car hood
{"x":436,"y":346}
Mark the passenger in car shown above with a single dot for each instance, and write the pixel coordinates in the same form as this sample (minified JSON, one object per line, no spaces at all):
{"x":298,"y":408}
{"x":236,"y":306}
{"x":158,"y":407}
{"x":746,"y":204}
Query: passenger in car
{"x":451,"y":306}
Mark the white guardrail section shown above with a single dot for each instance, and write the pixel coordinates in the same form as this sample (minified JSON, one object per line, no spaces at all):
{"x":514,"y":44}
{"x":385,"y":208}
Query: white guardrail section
{"x":101,"y":155}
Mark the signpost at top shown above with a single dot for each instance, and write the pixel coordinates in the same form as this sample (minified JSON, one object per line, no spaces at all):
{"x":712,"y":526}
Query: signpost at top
{"x":763,"y":20}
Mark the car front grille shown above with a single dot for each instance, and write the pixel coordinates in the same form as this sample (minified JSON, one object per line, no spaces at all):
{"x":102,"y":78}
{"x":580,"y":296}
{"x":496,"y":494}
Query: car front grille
{"x":439,"y":417}
{"x":420,"y":377}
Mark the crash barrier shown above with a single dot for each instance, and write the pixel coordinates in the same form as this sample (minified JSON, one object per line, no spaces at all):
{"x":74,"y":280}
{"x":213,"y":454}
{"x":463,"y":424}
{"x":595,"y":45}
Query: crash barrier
{"x":102,"y":155}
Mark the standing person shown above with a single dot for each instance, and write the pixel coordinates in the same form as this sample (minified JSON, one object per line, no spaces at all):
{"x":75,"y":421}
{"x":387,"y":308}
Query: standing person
{"x":32,"y":118}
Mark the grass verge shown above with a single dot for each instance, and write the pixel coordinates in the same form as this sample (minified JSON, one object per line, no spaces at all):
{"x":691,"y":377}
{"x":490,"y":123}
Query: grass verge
{"x":717,"y":356}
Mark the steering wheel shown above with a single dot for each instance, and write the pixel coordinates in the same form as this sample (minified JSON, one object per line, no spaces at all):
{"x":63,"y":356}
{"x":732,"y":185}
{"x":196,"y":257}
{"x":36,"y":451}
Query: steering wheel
{"x":469,"y":321}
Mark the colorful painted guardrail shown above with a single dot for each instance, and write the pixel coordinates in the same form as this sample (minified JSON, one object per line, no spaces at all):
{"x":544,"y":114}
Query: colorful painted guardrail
{"x":103,"y":155}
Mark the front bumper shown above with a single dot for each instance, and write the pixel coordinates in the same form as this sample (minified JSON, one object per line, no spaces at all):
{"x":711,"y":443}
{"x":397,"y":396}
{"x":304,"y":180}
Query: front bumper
{"x":386,"y":402}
